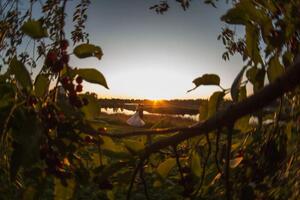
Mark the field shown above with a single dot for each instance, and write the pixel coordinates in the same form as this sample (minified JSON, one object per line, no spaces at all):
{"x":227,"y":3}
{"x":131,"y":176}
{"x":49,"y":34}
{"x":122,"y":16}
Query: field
{"x":116,"y":123}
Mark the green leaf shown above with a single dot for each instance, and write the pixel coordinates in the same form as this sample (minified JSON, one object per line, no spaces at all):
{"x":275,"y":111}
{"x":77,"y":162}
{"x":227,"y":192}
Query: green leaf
{"x":287,"y":58}
{"x":242,"y":93}
{"x":275,"y":69}
{"x":206,"y":79}
{"x":64,"y":192}
{"x":88,"y":50}
{"x":112,"y":169}
{"x":214,"y":102}
{"x":26,"y":133}
{"x":165,"y":167}
{"x":257,"y":77}
{"x":245,"y":11}
{"x":242,"y":124}
{"x":134,"y":146}
{"x":91,"y":110}
{"x":237,"y":15}
{"x":203,"y":111}
{"x":251,"y":74}
{"x":112,"y":149}
{"x":235,"y":87}
{"x":34,"y":29}
{"x":92,"y":75}
{"x":20,"y":72}
{"x":252,"y":43}
{"x":196,"y":165}
{"x":41,"y":85}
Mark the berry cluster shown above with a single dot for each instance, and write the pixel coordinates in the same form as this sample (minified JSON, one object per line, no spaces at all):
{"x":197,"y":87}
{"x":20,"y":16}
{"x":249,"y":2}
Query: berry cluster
{"x":31,"y":101}
{"x":72,"y":91}
{"x":49,"y":116}
{"x":55,"y":166}
{"x":56,"y":60}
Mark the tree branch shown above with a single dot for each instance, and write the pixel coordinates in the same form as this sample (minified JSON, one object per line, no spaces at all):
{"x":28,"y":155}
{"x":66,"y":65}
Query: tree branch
{"x":287,"y":82}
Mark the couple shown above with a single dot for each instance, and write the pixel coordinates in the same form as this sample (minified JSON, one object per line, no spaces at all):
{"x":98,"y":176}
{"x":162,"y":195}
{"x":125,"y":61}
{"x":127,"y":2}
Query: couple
{"x":137,"y":118}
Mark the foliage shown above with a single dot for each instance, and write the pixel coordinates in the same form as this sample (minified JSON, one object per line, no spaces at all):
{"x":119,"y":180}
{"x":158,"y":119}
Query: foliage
{"x":51,"y":147}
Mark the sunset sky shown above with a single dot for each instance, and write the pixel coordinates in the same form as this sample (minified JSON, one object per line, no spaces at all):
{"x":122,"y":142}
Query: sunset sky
{"x":153,"y":56}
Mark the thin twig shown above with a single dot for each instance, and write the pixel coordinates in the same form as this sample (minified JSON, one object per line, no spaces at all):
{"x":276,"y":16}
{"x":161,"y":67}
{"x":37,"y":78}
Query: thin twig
{"x":204,"y":165}
{"x":227,"y":164}
{"x":144,"y":183}
{"x":140,"y":164}
{"x":179,"y":166}
{"x":217,"y":151}
{"x":100,"y":150}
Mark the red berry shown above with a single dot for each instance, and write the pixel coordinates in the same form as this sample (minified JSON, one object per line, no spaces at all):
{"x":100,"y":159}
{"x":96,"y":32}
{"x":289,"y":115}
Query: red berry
{"x":102,"y":129}
{"x":78,"y":103}
{"x":85,"y":101}
{"x":79,"y":79}
{"x":59,"y":65}
{"x":79,"y":88}
{"x":32,"y":101}
{"x":65,"y":81}
{"x":51,"y":57}
{"x":64,"y":44}
{"x":70,"y":87}
{"x":65,"y":58}
{"x":73,"y":99}
{"x":88,"y":139}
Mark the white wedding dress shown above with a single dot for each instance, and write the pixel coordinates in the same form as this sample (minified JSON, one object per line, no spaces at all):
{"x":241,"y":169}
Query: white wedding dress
{"x":135,"y":120}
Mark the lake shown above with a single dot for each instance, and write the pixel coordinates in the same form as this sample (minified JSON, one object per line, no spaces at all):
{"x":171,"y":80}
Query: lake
{"x":131,"y":112}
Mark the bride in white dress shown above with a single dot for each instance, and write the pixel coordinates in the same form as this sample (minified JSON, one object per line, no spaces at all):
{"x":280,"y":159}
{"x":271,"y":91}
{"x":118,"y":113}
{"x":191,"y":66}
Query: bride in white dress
{"x":137,"y":118}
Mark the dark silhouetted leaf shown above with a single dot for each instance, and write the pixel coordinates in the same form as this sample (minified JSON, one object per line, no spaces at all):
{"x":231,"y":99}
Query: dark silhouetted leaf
{"x":88,"y":50}
{"x":41,"y":85}
{"x":203,"y":111}
{"x":214,"y":102}
{"x":275,"y":69}
{"x":34,"y":29}
{"x":252,"y":43}
{"x":20,"y":72}
{"x":235,"y":87}
{"x":165,"y":167}
{"x":92,"y":75}
{"x":206,"y":79}
{"x":196,"y":164}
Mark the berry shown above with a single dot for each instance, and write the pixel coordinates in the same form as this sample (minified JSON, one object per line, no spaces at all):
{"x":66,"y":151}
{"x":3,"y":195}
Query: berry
{"x":105,"y":185}
{"x":73,"y":99}
{"x":65,"y":81}
{"x":70,"y":88}
{"x":64,"y":44}
{"x":78,"y":103}
{"x":85,"y":101}
{"x":79,"y":88}
{"x":32,"y":101}
{"x":51,"y":57}
{"x":79,"y":79}
{"x":102,"y":129}
{"x":65,"y":58}
{"x":89,"y":139}
{"x":61,"y":116}
{"x":59,"y":65}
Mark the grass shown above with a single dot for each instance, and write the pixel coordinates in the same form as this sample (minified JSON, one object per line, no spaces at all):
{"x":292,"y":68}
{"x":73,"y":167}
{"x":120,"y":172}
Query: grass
{"x":116,"y":123}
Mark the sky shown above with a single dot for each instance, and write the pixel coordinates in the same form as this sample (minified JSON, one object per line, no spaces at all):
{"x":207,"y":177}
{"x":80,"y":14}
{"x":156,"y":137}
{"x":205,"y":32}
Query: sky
{"x":151,"y":56}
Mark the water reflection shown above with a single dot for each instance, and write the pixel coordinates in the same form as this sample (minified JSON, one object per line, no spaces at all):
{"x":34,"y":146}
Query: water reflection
{"x":131,"y":112}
